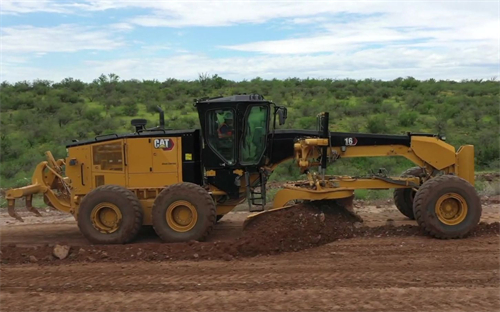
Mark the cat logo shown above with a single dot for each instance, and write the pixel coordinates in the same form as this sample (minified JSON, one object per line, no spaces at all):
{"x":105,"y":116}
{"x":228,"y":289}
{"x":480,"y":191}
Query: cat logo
{"x":164,"y":144}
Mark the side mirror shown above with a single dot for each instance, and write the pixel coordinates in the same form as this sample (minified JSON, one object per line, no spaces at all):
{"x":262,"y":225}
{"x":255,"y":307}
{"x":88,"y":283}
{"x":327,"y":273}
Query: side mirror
{"x":282,"y":114}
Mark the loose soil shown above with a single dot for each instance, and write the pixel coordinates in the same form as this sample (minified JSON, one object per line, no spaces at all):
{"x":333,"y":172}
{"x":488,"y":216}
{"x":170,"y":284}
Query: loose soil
{"x":289,"y":230}
{"x":367,"y":266}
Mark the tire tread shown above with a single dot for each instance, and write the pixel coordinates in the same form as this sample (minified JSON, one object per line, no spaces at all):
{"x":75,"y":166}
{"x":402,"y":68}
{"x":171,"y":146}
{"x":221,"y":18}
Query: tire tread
{"x":135,"y":204}
{"x":400,"y":195}
{"x":424,"y":192}
{"x":194,"y":190}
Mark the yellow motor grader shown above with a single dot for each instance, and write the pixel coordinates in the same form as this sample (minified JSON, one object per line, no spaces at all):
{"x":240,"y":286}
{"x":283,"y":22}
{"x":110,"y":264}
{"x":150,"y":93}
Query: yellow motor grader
{"x":183,"y":181}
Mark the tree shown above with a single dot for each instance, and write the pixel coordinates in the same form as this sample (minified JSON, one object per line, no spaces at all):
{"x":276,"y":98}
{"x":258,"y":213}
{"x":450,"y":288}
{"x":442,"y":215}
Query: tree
{"x":130,"y":109}
{"x":407,"y":118}
{"x":377,"y":124}
{"x":413,"y":100}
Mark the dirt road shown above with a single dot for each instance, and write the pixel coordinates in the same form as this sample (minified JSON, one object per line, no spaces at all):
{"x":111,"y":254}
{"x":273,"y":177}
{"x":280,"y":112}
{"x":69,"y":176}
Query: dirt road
{"x":396,"y":273}
{"x":368,"y":274}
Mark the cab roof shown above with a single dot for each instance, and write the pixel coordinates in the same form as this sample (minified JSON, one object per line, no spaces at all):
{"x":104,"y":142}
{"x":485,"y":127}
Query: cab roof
{"x":233,"y":98}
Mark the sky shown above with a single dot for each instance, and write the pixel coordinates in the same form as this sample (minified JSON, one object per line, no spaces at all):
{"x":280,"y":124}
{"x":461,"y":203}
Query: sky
{"x":239,"y":40}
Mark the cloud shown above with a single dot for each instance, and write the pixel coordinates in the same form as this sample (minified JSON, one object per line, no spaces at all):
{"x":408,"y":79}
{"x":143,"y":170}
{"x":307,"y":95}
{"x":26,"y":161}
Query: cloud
{"x":379,"y":63}
{"x":210,"y":14}
{"x":62,"y":38}
{"x":434,"y":24}
{"x":155,"y":47}
{"x":383,"y":40}
{"x":121,"y":26}
{"x":23,"y":45}
{"x":22,"y":7}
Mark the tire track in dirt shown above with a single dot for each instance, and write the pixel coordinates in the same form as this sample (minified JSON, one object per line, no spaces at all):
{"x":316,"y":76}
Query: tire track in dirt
{"x":393,"y":273}
{"x":352,"y":299}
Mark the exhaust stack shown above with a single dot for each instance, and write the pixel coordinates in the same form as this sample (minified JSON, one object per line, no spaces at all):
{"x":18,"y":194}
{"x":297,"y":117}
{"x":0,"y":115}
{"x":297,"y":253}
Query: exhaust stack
{"x":162,"y":117}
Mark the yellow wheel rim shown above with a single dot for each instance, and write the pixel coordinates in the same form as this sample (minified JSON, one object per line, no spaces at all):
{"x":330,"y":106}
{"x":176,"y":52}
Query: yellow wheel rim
{"x":181,"y":216}
{"x":106,"y":217}
{"x":451,"y":209}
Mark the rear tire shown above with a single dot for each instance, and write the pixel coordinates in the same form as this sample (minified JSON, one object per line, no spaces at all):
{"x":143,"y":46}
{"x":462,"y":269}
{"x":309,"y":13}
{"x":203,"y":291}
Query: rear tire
{"x":183,"y":212}
{"x":403,"y":197}
{"x":110,"y":214}
{"x":447,"y":207}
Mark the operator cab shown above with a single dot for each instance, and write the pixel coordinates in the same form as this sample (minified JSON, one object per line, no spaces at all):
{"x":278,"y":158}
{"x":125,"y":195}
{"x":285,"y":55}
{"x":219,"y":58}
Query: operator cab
{"x":237,"y":134}
{"x":235,"y":130}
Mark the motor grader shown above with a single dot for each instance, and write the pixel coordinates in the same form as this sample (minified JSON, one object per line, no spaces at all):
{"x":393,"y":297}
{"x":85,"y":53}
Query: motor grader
{"x":182,"y":181}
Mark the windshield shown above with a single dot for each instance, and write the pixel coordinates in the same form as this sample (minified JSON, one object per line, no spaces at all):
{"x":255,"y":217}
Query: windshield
{"x":253,"y":144}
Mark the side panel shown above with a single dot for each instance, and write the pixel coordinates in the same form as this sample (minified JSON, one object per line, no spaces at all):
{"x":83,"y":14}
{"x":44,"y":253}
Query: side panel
{"x":433,"y":151}
{"x":103,"y":178}
{"x":139,"y":158}
{"x":152,"y":180}
{"x":166,"y":155}
{"x":139,"y":163}
{"x":78,"y":169}
{"x":465,"y":163}
{"x":192,"y":170}
{"x":153,"y":161}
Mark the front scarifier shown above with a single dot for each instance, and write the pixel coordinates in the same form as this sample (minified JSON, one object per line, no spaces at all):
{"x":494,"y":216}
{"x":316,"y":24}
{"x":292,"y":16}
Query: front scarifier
{"x":47,"y":180}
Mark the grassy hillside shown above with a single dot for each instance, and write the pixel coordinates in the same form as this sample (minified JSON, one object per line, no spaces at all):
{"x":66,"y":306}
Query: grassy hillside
{"x":41,"y":115}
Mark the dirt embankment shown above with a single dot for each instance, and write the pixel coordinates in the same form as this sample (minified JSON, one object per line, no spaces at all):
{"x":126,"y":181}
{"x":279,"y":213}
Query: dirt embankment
{"x":287,"y":230}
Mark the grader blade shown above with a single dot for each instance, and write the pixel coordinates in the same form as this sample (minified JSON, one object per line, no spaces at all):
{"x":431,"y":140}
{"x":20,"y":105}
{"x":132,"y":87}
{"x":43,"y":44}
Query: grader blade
{"x":348,"y":204}
{"x":342,"y":203}
{"x":252,"y":217}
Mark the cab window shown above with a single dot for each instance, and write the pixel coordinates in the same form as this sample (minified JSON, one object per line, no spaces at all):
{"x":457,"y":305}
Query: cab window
{"x":254,"y":140}
{"x":221,"y":133}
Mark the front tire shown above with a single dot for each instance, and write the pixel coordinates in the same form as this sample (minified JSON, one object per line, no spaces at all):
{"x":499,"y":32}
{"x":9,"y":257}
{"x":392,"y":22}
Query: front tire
{"x":183,"y":212}
{"x":403,"y":197}
{"x":447,"y":207}
{"x":110,"y":214}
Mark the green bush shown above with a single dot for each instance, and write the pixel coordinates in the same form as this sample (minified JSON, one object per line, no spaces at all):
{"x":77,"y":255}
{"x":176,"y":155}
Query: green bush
{"x":41,"y":115}
{"x":407,"y":119}
{"x":377,"y":124}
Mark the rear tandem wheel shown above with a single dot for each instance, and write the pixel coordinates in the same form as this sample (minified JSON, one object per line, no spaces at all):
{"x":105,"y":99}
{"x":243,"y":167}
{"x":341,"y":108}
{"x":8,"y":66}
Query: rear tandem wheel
{"x":183,"y":212}
{"x":110,"y":214}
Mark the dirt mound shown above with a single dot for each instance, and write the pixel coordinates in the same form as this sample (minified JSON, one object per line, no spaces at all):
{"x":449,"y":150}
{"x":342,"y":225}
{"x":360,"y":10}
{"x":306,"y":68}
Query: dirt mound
{"x":484,"y":228}
{"x":300,"y":227}
{"x":287,"y":230}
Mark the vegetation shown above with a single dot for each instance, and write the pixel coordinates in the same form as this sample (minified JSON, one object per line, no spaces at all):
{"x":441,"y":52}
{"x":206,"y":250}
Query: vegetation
{"x":41,"y":115}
